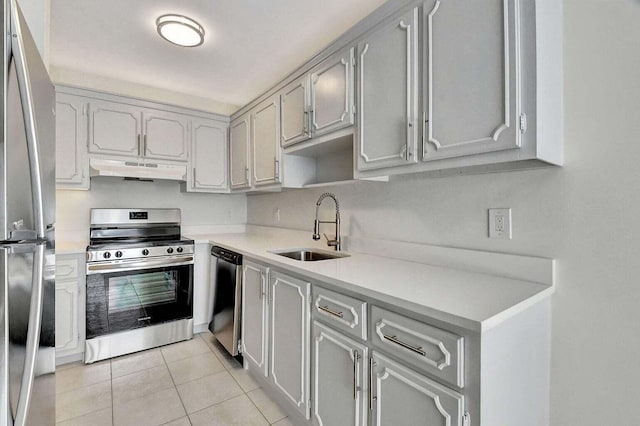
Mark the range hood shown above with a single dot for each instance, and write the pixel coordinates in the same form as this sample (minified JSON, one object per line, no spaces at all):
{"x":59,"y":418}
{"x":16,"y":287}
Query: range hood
{"x":134,"y":169}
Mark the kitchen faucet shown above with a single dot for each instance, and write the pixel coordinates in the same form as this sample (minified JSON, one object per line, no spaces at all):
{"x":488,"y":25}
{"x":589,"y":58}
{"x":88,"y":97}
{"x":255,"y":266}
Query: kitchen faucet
{"x":316,"y":224}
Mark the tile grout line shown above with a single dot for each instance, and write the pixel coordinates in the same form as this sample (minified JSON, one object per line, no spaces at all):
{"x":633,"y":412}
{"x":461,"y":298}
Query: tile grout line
{"x":113,"y":413}
{"x":175,"y":387}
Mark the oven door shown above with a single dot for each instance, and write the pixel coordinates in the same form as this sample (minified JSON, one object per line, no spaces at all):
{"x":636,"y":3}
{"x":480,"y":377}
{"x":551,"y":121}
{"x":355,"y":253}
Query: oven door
{"x":122,"y":298}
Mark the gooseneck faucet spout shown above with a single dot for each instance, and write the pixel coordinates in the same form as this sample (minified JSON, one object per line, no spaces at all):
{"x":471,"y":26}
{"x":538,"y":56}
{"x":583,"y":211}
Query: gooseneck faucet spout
{"x":316,"y":224}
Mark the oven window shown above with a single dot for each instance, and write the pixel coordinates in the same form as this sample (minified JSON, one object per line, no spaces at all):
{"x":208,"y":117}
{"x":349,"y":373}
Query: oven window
{"x":128,"y":292}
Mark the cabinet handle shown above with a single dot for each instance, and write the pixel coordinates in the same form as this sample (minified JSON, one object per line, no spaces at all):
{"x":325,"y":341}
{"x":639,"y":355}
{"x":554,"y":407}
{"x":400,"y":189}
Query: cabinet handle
{"x":276,"y":165}
{"x":261,"y":294}
{"x":425,"y":122}
{"x":306,"y":122}
{"x":416,"y":349}
{"x":371,"y":397}
{"x":246,"y":174}
{"x":331,"y":312}
{"x":356,"y":357}
{"x":144,"y":146}
{"x":139,"y":146}
{"x":194,"y":177}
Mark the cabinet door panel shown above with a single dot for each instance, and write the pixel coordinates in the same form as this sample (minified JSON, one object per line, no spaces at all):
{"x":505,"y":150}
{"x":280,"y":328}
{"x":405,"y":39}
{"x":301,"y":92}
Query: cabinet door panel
{"x":208,"y":155}
{"x":332,"y":94}
{"x":472,"y":78}
{"x":239,"y":153}
{"x":115,"y":129}
{"x":72,"y":168}
{"x":254,"y":316}
{"x":404,"y":397}
{"x":388,"y":95}
{"x":67,"y":298}
{"x":289,"y":353}
{"x":339,"y":377}
{"x":294,"y":105}
{"x":266,"y":142}
{"x":165,"y":136}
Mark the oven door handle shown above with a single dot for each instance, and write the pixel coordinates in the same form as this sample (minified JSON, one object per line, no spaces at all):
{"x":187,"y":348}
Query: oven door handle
{"x":107,"y":267}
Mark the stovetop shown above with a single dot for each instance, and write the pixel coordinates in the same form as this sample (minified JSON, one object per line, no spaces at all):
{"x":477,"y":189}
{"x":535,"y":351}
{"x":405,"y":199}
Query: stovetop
{"x":124,"y":250}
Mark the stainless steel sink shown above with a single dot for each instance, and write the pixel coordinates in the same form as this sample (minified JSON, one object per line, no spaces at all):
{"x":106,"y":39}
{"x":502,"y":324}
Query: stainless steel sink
{"x":309,"y":255}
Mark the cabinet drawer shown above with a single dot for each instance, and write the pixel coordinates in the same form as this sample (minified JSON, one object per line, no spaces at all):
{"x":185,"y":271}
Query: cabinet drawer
{"x":66,"y":268}
{"x":342,"y":312}
{"x":428,"y":348}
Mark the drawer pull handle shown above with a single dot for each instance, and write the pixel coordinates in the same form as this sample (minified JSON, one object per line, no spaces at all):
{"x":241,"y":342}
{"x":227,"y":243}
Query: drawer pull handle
{"x":330,"y":311}
{"x":397,"y":341}
{"x":144,"y":319}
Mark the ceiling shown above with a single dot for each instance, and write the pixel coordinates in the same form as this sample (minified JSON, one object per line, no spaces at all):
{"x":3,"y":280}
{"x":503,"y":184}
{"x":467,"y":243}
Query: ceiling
{"x":249,"y":44}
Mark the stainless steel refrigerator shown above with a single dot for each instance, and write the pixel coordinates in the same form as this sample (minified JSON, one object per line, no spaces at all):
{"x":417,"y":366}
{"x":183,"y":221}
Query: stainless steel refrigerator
{"x":27,"y":229}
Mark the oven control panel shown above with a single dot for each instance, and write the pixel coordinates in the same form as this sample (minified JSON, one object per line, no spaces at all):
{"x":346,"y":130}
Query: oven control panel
{"x":124,"y":253}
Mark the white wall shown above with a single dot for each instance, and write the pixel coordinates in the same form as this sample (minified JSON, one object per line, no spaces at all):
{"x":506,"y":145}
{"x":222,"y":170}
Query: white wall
{"x":199,"y":211}
{"x":586,"y":215}
{"x":37,"y":13}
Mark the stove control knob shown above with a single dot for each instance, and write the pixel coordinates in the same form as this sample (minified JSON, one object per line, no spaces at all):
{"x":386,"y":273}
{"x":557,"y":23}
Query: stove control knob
{"x":106,"y":255}
{"x":145,"y":252}
{"x":169,"y":250}
{"x":118,"y":253}
{"x":179,"y":249}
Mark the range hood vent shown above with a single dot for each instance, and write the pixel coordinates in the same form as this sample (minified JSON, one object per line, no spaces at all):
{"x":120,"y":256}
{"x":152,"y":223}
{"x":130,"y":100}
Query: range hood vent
{"x":133,"y":169}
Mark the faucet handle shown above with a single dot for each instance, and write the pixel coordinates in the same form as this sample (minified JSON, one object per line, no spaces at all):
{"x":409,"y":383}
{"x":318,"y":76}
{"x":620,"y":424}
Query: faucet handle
{"x":330,"y":243}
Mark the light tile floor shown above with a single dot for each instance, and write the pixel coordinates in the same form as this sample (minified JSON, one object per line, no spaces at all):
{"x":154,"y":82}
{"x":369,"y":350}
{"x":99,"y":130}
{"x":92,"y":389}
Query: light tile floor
{"x":188,"y":383}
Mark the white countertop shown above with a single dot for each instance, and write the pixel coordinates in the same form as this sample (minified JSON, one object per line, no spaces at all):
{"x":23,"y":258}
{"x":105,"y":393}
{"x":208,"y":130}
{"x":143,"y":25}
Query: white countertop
{"x":472,"y":300}
{"x":71,"y":247}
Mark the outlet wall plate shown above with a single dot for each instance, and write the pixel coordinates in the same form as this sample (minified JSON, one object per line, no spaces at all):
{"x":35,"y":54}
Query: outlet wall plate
{"x":500,"y":223}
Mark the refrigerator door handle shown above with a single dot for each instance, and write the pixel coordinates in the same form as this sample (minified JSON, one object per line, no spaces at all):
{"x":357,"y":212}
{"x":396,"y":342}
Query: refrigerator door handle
{"x":33,"y":336}
{"x":26,"y":96}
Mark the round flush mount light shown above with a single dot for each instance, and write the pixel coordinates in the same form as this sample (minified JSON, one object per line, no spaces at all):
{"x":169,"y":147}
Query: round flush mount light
{"x":180,"y":30}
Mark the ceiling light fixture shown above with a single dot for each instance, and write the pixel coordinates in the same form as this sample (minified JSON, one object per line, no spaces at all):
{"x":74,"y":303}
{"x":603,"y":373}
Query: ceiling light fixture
{"x":180,"y":30}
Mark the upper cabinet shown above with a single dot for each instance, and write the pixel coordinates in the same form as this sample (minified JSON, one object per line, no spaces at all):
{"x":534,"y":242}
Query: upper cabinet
{"x":72,"y":167}
{"x":388,"y":130}
{"x":439,"y":86}
{"x":132,"y":131}
{"x":295,"y":109}
{"x":145,"y":135}
{"x":239,"y":146}
{"x":265,"y":142}
{"x":209,"y":154}
{"x":319,"y":102}
{"x":332,"y":103}
{"x":164,"y":136}
{"x":471,"y":87}
{"x":115,"y":129}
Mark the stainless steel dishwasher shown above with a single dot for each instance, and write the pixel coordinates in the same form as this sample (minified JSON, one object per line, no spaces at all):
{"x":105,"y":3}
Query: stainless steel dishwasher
{"x":226,"y":276}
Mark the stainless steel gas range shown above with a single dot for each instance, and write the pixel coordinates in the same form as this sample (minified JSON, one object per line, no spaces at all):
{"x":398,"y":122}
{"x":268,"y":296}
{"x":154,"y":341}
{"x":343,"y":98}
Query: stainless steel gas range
{"x":139,"y":282}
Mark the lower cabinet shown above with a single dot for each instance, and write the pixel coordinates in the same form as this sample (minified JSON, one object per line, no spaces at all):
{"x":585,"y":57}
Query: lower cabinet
{"x":400,"y":396}
{"x":69,"y":307}
{"x":254,"y":316}
{"x":275,"y":332}
{"x":339,"y":376}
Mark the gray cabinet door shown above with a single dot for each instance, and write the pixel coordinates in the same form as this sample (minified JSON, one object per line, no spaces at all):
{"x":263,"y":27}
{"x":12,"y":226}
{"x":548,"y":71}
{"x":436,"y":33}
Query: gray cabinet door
{"x":165,"y":136}
{"x":239,"y":153}
{"x":254,"y":316}
{"x":208,"y":156}
{"x":289,"y":339}
{"x":294,"y":107}
{"x":265,"y":136}
{"x":115,"y":129}
{"x":388,"y":95}
{"x":471,"y":73}
{"x":402,"y":397}
{"x":72,"y":166}
{"x":339,"y":368}
{"x":332,"y":101}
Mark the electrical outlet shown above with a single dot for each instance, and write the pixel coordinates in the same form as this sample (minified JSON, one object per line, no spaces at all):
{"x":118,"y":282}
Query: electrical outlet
{"x":500,"y":223}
